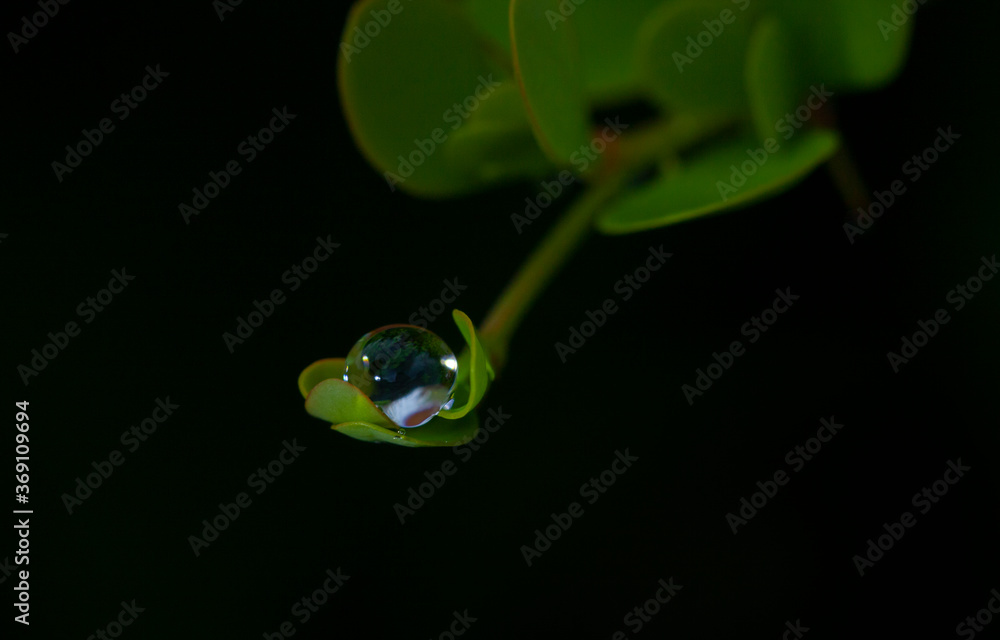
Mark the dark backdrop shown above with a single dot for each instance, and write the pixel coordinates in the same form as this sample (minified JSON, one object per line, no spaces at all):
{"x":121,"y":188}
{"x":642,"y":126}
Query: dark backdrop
{"x":333,"y":506}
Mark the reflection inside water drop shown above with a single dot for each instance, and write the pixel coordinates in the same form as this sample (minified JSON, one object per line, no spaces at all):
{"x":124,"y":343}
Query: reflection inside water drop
{"x":407,"y":371}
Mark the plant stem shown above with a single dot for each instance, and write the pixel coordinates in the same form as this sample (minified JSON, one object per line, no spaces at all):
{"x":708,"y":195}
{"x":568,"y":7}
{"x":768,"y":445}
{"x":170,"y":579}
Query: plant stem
{"x":545,"y":261}
{"x":635,"y":152}
{"x":842,"y":169}
{"x":848,"y":180}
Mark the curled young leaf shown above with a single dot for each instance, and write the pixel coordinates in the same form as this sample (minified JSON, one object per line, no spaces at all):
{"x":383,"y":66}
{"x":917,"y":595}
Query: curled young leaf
{"x":474,"y":370}
{"x":436,"y":433}
{"x":318,"y":372}
{"x":351,"y":412}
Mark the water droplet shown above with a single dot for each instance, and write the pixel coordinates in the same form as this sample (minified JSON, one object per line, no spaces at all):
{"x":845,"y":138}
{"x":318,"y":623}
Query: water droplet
{"x":407,"y":371}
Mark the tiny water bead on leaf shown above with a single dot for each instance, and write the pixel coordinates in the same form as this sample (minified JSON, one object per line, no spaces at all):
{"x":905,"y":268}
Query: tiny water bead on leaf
{"x":406,"y":371}
{"x":351,"y":412}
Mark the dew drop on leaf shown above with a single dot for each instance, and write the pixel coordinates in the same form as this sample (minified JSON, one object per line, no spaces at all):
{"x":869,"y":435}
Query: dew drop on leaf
{"x":407,"y":371}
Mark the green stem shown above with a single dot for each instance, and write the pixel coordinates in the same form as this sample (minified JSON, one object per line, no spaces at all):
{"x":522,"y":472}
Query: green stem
{"x":541,"y":267}
{"x":635,"y":152}
{"x":848,"y":181}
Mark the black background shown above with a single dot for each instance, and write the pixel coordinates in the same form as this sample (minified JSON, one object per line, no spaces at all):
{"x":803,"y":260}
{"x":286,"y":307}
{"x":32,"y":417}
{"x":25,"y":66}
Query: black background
{"x":333,"y":507}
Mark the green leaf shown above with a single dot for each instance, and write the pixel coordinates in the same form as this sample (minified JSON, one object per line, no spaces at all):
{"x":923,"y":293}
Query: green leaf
{"x":352,"y":413}
{"x":547,"y":67}
{"x":697,"y":187}
{"x":691,"y":66}
{"x":474,"y":370}
{"x":497,"y":142}
{"x":608,"y":32}
{"x":770,"y":77}
{"x":337,"y":402}
{"x":400,"y":90}
{"x":847,"y":44}
{"x":436,"y":433}
{"x":492,"y":17}
{"x":319,"y":371}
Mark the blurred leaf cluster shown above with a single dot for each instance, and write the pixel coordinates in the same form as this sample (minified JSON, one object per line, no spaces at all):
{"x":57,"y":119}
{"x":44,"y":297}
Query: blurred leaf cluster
{"x":724,"y":77}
